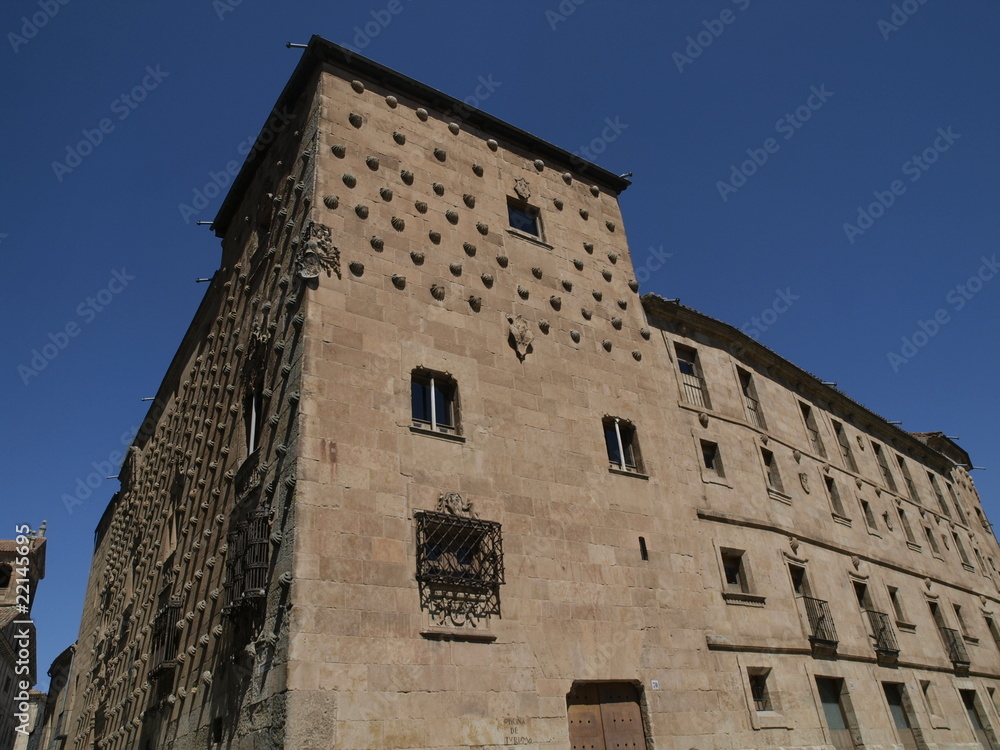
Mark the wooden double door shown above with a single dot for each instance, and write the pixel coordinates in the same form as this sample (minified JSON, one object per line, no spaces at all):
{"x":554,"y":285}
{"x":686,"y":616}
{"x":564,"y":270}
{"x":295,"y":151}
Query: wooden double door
{"x":605,"y":716}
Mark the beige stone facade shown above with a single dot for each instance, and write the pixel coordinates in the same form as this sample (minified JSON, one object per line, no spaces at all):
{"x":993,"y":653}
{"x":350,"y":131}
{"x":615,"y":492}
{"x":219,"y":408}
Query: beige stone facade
{"x":427,"y":472}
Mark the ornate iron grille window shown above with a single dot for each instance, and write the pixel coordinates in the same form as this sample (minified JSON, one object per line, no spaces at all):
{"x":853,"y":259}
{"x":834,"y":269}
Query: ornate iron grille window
{"x":821,"y":626}
{"x":165,"y":636}
{"x":758,"y":689}
{"x":459,"y":567}
{"x":248,"y":559}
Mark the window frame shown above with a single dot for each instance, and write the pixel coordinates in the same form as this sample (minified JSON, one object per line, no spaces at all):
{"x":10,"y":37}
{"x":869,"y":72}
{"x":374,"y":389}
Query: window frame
{"x":697,"y":373}
{"x":529,"y":210}
{"x":743,"y":590}
{"x":434,"y":382}
{"x":621,"y":437}
{"x":844,"y":443}
{"x":812,"y":429}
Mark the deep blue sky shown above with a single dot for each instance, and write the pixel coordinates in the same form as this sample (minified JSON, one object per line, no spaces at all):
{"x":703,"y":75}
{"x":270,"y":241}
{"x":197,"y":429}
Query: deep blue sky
{"x":680,"y":131}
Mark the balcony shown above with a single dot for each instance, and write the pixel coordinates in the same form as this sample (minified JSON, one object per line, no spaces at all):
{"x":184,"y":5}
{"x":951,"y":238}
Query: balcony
{"x":821,"y":626}
{"x":955,"y":646}
{"x":882,"y":633}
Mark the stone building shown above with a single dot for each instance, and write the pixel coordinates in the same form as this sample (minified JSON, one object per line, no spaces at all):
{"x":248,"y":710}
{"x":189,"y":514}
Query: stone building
{"x":427,"y":472}
{"x":22,"y":566}
{"x":50,"y":731}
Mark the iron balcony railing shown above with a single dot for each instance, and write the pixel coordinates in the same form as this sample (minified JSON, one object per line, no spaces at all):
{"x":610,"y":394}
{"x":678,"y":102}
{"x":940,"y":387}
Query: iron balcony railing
{"x":956,"y":647}
{"x":695,"y":391}
{"x":756,"y":415}
{"x":882,"y":632}
{"x":820,"y":620}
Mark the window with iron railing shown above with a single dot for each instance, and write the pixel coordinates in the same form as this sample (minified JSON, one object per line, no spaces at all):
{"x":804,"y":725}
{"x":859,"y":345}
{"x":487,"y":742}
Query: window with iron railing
{"x":820,"y":618}
{"x":758,"y":689}
{"x":459,"y":567}
{"x":750,"y":398}
{"x":165,"y":636}
{"x":693,"y":385}
{"x":955,"y":647}
{"x":248,"y":559}
{"x":882,"y":633}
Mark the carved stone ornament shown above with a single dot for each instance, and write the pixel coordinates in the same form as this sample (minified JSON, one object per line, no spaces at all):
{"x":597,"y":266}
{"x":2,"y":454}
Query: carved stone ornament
{"x":703,"y":419}
{"x":520,"y":335}
{"x":804,"y":479}
{"x":454,"y":503}
{"x":797,"y":455}
{"x":522,"y":188}
{"x":764,"y":439}
{"x":318,"y":252}
{"x":794,"y":544}
{"x":856,"y":562}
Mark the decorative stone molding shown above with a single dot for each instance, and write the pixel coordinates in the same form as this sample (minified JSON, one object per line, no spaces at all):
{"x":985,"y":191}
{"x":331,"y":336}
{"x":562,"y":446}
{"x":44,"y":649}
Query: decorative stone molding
{"x":522,"y":188}
{"x":318,"y":252}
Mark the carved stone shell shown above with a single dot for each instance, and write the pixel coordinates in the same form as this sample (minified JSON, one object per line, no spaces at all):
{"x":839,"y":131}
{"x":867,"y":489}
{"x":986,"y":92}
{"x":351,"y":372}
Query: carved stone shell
{"x":578,"y":263}
{"x":645,"y":333}
{"x":420,"y":206}
{"x":437,"y":292}
{"x":595,"y":191}
{"x":422,"y":114}
{"x":492,"y":144}
{"x":469,"y":248}
{"x":377,"y":243}
{"x":567,"y":285}
{"x":477,"y":170}
{"x":598,"y":294}
{"x":522,"y":292}
{"x":476,"y":303}
{"x":357,"y":267}
{"x":469,"y":200}
{"x":623,"y":303}
{"x":558,"y":203}
{"x":397,"y":223}
{"x":406,"y":175}
{"x":372,"y":162}
{"x":616,"y":323}
{"x":502,"y":261}
{"x":398,"y":281}
{"x":567,"y":177}
{"x":606,"y":274}
{"x":575,"y":335}
{"x":440,"y":154}
{"x":536,"y":272}
{"x":482,"y":228}
{"x":607,"y":345}
{"x":633,"y":285}
{"x":456,"y":268}
{"x":355,"y":119}
{"x":391,"y":101}
{"x":610,"y":225}
{"x":435,"y":236}
{"x":589,"y":247}
{"x":587,"y":314}
{"x":417,"y":257}
{"x":487,"y":279}
{"x":361,"y":210}
{"x":399,"y":138}
{"x":555,"y":301}
{"x":543,"y":325}
{"x":331,"y":201}
{"x":358,"y":86}
{"x":451,"y":216}
{"x":386,"y":193}
{"x":454,"y":128}
{"x":438,"y":188}
{"x":636,"y":355}
{"x":350,"y":180}
{"x":539,"y":164}
{"x":584,"y":213}
{"x":613,"y":257}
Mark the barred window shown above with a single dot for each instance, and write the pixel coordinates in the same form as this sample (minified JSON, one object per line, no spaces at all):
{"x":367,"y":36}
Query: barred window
{"x":459,"y":567}
{"x":758,"y":688}
{"x":165,"y":636}
{"x":248,"y":559}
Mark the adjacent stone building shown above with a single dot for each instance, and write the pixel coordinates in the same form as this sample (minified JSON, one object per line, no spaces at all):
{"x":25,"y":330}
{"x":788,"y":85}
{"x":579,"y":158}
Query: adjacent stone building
{"x":427,"y":472}
{"x":22,"y":566}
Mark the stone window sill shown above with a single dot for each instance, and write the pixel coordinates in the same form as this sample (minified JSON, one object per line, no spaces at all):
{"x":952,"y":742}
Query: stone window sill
{"x":458,"y":634}
{"x":440,"y":435}
{"x":771,"y":720}
{"x":843,"y":520}
{"x":913,"y":545}
{"x":781,"y":497}
{"x":627,"y":473}
{"x":906,"y":627}
{"x":743,"y":599}
{"x":528,"y":238}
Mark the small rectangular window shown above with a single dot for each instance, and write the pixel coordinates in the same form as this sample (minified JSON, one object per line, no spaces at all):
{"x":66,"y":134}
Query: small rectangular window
{"x":932,"y":541}
{"x":623,"y":448}
{"x":991,"y":625}
{"x":692,"y":383}
{"x":812,"y":430}
{"x":845,"y":447}
{"x":866,"y":508}
{"x":433,"y":398}
{"x":957,"y":504}
{"x":897,"y":605}
{"x":961,"y":549}
{"x":754,"y":410}
{"x":711,"y":457}
{"x":927,"y":690}
{"x":960,"y":619}
{"x":937,"y":492}
{"x":908,"y":479}
{"x":905,"y":523}
{"x":734,"y":571}
{"x":524,"y":218}
{"x":771,"y":469}
{"x":758,"y":688}
{"x":887,"y":477}
{"x":253,"y":417}
{"x":834,"y":494}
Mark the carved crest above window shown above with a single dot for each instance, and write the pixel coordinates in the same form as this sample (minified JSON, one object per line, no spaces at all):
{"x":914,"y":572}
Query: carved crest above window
{"x":522,"y":188}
